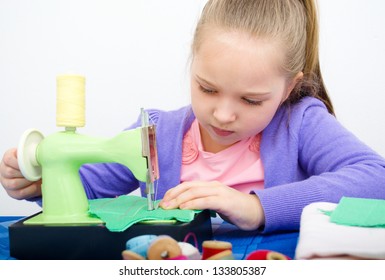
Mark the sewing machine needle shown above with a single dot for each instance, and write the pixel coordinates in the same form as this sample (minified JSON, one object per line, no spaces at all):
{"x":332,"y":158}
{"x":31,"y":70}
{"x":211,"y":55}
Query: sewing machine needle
{"x":150,"y":193}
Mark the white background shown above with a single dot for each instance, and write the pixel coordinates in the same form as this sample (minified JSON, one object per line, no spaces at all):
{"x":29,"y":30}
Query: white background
{"x":136,"y":54}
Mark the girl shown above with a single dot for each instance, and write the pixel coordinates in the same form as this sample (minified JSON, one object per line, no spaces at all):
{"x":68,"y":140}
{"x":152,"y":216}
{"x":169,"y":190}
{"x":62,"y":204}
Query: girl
{"x":260,"y":140}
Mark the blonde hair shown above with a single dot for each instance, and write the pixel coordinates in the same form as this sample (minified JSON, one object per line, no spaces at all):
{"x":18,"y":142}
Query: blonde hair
{"x":294,"y":23}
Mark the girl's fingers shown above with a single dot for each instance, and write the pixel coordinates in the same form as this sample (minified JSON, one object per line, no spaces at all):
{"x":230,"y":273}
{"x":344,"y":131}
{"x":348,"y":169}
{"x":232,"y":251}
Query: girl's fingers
{"x":10,"y":159}
{"x":193,"y":195}
{"x":8,"y":172}
{"x":9,"y":168}
{"x":176,"y":191}
{"x":24,"y":191}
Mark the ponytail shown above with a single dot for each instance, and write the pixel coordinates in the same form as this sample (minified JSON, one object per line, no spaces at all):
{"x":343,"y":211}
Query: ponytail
{"x":312,"y":68}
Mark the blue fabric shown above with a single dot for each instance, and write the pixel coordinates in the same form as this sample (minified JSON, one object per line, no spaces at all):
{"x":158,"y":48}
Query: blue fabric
{"x":246,"y":242}
{"x":4,"y":240}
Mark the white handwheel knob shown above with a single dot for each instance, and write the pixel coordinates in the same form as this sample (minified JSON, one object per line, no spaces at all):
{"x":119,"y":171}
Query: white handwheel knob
{"x":26,"y":154}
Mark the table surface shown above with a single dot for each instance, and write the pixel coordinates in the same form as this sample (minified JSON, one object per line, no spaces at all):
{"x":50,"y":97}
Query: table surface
{"x":243,"y":242}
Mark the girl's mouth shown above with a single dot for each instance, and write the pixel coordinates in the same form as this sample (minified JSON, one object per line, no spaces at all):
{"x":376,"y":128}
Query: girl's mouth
{"x":221,"y":132}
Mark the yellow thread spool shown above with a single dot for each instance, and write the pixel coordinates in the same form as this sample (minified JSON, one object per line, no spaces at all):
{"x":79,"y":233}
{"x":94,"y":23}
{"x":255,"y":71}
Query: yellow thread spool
{"x":70,"y":101}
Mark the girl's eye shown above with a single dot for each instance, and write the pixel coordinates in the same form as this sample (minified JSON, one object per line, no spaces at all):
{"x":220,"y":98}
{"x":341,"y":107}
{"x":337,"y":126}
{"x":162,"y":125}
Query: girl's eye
{"x":252,"y":102}
{"x":206,"y":90}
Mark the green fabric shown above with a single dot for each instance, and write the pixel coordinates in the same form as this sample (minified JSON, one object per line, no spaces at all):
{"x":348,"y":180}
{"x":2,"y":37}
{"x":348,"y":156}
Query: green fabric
{"x":362,"y":212}
{"x":122,"y":212}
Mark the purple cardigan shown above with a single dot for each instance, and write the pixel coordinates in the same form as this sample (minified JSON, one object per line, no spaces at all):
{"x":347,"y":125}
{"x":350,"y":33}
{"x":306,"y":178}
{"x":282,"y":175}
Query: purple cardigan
{"x":307,"y":157}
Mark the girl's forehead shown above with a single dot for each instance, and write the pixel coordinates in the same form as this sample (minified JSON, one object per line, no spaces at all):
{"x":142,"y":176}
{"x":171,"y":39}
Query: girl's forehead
{"x":238,"y":62}
{"x":239,"y":48}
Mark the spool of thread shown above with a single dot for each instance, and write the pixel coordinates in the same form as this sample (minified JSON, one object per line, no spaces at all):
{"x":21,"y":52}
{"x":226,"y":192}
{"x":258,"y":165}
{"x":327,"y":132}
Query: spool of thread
{"x":266,"y":255}
{"x":188,"y":250}
{"x":137,"y":247}
{"x":224,"y":255}
{"x":163,"y":248}
{"x":130,"y":255}
{"x":70,"y":101}
{"x":213,"y":247}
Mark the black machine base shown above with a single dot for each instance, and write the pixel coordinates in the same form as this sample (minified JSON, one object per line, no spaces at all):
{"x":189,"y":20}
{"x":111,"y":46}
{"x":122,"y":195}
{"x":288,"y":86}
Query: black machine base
{"x":94,"y":242}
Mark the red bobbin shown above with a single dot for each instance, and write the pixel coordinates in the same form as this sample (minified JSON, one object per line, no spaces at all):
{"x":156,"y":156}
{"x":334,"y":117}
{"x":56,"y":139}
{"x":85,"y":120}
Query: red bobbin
{"x":266,"y":255}
{"x":210,"y":248}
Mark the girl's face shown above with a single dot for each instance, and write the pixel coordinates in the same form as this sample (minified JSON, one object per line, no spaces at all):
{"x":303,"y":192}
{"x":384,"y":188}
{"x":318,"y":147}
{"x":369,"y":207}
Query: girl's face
{"x":236,"y":87}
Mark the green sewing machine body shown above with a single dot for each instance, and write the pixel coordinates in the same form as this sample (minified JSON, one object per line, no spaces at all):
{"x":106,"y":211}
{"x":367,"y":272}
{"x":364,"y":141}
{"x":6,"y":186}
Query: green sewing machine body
{"x":61,"y":155}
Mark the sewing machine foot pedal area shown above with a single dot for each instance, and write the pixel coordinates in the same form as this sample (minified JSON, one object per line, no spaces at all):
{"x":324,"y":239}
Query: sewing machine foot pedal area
{"x":94,"y":241}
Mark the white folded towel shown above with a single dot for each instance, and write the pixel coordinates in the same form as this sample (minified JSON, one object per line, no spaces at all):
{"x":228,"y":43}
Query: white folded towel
{"x":319,"y":238}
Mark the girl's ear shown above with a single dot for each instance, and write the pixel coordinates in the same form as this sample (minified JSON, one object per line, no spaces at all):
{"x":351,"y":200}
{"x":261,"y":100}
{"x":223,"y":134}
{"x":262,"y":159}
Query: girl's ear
{"x":292,"y":85}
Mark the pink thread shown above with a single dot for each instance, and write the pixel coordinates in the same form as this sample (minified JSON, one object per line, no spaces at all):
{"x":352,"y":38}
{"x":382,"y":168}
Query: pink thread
{"x":191,"y":234}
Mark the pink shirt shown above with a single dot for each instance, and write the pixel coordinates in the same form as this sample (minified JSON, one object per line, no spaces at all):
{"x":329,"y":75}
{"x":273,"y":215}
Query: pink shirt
{"x":238,"y":166}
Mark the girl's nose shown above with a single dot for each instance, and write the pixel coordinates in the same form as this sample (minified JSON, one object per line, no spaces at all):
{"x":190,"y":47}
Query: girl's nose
{"x":224,"y":112}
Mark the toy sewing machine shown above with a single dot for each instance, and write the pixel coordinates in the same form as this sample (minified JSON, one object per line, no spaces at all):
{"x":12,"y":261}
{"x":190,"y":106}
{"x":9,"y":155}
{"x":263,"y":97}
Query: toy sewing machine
{"x":65,"y":229}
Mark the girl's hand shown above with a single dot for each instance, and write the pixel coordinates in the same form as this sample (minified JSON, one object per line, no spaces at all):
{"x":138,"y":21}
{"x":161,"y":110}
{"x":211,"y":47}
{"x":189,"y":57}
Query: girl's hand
{"x":13,"y":181}
{"x":243,"y":210}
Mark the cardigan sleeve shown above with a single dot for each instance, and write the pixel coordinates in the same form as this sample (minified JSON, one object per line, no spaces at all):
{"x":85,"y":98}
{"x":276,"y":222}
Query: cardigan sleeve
{"x":323,"y":161}
{"x":102,"y":180}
